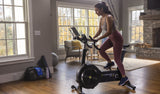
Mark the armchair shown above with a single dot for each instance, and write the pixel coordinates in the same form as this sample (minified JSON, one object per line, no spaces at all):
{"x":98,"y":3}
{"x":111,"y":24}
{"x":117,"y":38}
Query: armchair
{"x":72,"y":50}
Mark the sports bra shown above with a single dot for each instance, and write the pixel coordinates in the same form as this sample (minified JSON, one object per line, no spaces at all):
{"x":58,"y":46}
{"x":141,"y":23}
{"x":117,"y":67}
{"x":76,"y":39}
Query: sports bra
{"x":104,"y":26}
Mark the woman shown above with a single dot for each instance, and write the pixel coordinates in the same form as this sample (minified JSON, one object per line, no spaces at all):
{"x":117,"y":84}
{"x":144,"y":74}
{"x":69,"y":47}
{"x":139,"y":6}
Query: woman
{"x":114,"y":40}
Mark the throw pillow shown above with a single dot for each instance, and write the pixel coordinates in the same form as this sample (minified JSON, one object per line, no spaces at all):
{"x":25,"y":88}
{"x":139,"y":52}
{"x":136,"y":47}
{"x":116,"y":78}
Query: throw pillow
{"x":76,"y":45}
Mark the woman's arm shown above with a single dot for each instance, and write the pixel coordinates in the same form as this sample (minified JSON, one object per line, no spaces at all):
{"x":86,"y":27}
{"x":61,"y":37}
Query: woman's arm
{"x":99,"y":30}
{"x":109,"y":22}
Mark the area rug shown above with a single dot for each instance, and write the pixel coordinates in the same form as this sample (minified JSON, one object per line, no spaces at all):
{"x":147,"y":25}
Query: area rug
{"x":131,"y":63}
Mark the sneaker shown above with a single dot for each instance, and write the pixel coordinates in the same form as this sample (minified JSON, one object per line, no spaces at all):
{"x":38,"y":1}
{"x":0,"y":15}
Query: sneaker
{"x":109,"y":65}
{"x":123,"y":81}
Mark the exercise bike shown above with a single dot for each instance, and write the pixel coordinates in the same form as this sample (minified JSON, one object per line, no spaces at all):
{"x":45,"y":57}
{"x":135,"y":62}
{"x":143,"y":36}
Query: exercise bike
{"x":88,"y":76}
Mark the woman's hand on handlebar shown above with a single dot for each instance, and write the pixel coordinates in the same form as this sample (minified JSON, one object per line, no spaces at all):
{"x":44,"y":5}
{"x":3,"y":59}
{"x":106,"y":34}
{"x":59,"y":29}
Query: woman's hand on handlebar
{"x":94,"y":40}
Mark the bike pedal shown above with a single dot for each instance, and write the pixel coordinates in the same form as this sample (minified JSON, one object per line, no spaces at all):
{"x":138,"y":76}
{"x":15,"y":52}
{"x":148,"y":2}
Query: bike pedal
{"x":126,"y":83}
{"x":109,"y":68}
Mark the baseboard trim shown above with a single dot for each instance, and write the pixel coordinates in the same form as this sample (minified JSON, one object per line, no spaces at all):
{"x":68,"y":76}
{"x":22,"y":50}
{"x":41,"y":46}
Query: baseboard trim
{"x":11,"y":77}
{"x":4,"y":78}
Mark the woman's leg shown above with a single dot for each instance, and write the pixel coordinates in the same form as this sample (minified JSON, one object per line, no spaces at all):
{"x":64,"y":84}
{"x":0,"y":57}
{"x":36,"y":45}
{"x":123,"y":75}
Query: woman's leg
{"x":117,"y":48}
{"x":117,"y":57}
{"x":106,"y":45}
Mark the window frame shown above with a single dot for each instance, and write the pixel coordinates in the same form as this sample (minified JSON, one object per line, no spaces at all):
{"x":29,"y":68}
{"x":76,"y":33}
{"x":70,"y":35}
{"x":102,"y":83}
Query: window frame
{"x":29,"y":56}
{"x":130,"y":9}
{"x":73,"y":6}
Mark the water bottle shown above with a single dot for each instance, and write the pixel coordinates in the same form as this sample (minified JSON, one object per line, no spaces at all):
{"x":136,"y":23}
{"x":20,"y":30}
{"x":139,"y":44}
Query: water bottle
{"x":47,"y":73}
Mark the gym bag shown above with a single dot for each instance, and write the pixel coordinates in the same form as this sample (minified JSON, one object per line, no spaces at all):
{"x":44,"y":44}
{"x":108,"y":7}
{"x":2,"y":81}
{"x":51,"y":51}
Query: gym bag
{"x":34,"y":73}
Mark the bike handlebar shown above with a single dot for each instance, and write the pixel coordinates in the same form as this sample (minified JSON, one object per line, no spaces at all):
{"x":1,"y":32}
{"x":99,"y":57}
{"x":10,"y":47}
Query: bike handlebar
{"x":94,"y":43}
{"x":84,"y":39}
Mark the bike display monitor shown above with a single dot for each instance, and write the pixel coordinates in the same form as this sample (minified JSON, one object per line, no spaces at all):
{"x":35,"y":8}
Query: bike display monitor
{"x":75,"y":31}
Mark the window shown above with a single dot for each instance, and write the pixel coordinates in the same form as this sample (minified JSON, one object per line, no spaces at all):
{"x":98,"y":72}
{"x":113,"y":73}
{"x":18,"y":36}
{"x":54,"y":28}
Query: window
{"x":65,"y":20}
{"x":93,"y":23}
{"x":13,"y":28}
{"x":136,"y":25}
{"x":84,"y":19}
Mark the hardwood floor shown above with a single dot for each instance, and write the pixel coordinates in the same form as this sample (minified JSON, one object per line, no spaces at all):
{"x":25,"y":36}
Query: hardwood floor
{"x":147,"y":81}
